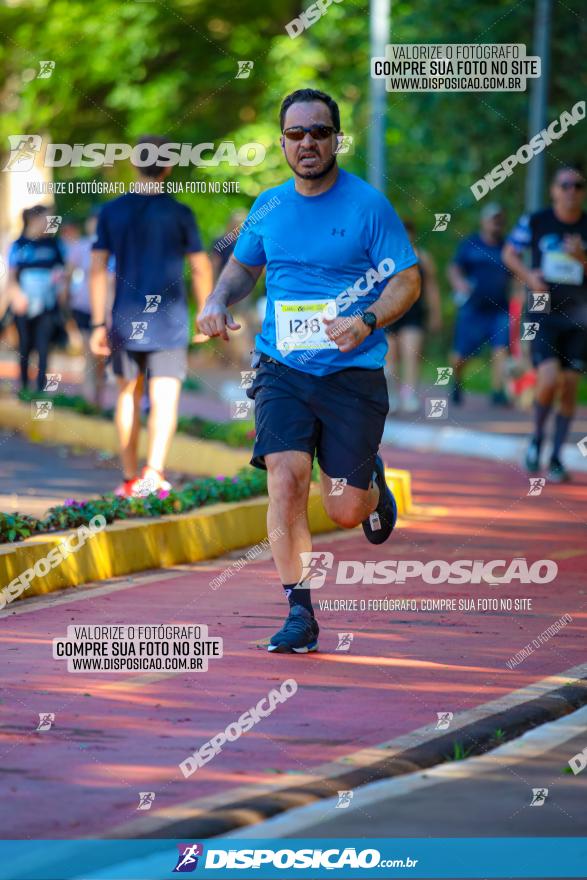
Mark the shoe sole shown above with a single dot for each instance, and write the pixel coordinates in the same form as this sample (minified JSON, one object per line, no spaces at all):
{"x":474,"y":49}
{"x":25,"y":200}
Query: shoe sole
{"x":393,"y":521}
{"x":287,"y":649}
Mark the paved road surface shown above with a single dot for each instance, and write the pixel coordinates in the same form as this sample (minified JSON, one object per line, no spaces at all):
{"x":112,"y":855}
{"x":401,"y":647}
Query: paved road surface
{"x":116,"y":735}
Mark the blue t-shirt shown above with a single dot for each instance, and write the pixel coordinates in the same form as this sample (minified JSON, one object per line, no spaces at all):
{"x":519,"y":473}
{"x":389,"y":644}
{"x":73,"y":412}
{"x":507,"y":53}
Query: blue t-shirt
{"x":482,"y":265}
{"x":35,"y":261}
{"x":149,"y":236}
{"x":339,"y":247}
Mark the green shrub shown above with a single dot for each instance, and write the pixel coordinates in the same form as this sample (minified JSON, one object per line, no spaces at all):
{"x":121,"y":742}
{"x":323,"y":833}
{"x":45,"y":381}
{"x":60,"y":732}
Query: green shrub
{"x":205,"y":490}
{"x":16,"y":527}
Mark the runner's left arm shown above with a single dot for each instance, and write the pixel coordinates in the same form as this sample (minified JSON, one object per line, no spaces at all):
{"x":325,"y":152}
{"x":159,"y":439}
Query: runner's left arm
{"x":398,"y":295}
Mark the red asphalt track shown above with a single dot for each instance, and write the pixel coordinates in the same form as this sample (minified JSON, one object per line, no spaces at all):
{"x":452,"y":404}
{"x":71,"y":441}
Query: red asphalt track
{"x":117,"y":734}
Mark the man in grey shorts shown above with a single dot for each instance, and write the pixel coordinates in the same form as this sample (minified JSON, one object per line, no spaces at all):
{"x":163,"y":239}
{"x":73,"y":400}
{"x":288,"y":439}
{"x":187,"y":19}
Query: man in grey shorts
{"x":149,"y":234}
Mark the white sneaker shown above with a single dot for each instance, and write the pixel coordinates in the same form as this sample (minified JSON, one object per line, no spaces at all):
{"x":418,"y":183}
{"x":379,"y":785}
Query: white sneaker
{"x":148,"y":483}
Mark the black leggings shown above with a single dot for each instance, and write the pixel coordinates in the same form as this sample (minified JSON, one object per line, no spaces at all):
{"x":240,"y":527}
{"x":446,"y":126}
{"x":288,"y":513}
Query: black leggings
{"x":34,"y":334}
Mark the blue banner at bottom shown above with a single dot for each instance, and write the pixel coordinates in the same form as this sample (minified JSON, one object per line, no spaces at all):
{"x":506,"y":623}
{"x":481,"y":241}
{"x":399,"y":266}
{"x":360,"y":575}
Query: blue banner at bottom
{"x":370,"y":859}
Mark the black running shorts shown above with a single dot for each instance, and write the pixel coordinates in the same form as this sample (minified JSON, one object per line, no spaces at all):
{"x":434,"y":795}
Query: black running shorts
{"x":560,"y":339}
{"x":339,"y":417}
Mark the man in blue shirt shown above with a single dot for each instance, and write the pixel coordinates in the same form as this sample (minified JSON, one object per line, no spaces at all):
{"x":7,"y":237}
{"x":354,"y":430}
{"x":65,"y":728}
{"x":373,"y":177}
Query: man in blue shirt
{"x":481,"y":283}
{"x":339,"y":268}
{"x":149,"y":234}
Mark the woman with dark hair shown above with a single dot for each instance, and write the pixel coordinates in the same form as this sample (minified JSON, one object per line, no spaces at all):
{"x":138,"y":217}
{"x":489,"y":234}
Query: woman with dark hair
{"x":36,"y":261}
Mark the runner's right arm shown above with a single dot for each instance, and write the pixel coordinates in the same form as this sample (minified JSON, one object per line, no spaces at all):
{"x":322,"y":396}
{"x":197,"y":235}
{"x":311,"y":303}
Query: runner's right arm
{"x":98,"y":299}
{"x":512,"y":255}
{"x":16,"y":298}
{"x":235,"y":283}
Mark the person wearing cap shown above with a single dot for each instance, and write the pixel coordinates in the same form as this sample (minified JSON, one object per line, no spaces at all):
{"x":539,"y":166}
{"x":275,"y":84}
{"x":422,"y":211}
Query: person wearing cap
{"x":481,"y":282}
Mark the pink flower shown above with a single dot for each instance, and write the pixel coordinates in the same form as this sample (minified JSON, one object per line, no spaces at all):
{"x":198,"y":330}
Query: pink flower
{"x":163,"y":493}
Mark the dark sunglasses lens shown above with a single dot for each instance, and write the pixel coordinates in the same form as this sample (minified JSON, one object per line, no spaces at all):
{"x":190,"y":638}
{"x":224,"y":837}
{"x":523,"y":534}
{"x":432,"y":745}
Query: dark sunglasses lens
{"x":320,"y":132}
{"x":294,"y":134}
{"x":567,"y":184}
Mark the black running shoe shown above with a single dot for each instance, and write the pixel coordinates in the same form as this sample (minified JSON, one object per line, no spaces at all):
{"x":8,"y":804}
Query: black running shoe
{"x":557,"y":472}
{"x":533,"y":457}
{"x":298,"y":635}
{"x":380,"y":524}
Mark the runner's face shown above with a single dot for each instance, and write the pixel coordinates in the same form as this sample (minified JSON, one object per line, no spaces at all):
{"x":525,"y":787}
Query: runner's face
{"x":309,"y":158}
{"x":493,"y":226}
{"x":565,"y":194}
{"x":36,"y":225}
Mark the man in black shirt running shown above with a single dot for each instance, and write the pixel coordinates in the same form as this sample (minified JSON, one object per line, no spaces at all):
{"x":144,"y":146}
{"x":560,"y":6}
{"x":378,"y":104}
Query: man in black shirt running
{"x":557,"y":239}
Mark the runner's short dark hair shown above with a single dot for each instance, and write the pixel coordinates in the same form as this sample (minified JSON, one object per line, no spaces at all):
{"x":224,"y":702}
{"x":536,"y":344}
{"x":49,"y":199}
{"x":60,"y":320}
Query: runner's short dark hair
{"x":155,"y":170}
{"x":304,"y":96}
{"x":29,"y":213}
{"x":568,"y":166}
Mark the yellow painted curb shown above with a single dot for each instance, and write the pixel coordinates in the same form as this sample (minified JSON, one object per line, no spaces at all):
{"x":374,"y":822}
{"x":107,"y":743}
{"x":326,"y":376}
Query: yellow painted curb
{"x":188,"y":455}
{"x":128,"y":546}
{"x":400,"y":483}
{"x":136,"y":545}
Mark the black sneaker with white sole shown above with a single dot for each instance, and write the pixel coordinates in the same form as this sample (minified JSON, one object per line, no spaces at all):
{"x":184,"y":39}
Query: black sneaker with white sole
{"x":380,"y":524}
{"x":298,"y":635}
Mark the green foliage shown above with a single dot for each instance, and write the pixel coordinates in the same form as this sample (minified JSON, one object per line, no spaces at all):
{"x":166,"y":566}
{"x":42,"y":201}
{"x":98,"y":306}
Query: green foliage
{"x":15,"y":527}
{"x":75,"y":402}
{"x":126,"y":68}
{"x":459,"y":752}
{"x":234,"y":433}
{"x":191,"y":383}
{"x":207,"y":490}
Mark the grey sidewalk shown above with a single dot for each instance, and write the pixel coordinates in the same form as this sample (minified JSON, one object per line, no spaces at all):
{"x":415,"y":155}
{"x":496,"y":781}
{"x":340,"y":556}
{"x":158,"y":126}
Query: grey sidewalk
{"x":35,"y":476}
{"x":489,"y":796}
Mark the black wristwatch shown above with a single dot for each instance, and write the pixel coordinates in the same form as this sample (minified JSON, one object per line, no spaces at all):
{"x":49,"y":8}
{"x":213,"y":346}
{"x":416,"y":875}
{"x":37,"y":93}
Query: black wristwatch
{"x":95,"y":326}
{"x":370,"y":319}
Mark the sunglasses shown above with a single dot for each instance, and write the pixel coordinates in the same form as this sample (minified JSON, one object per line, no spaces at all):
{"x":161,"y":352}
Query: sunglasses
{"x":317,"y":132}
{"x":572,"y":184}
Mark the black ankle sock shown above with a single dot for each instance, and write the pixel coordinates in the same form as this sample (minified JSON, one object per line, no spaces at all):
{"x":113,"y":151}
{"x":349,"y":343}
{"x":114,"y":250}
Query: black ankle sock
{"x":540,"y":415}
{"x":297,"y":595}
{"x":561,"y":430}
